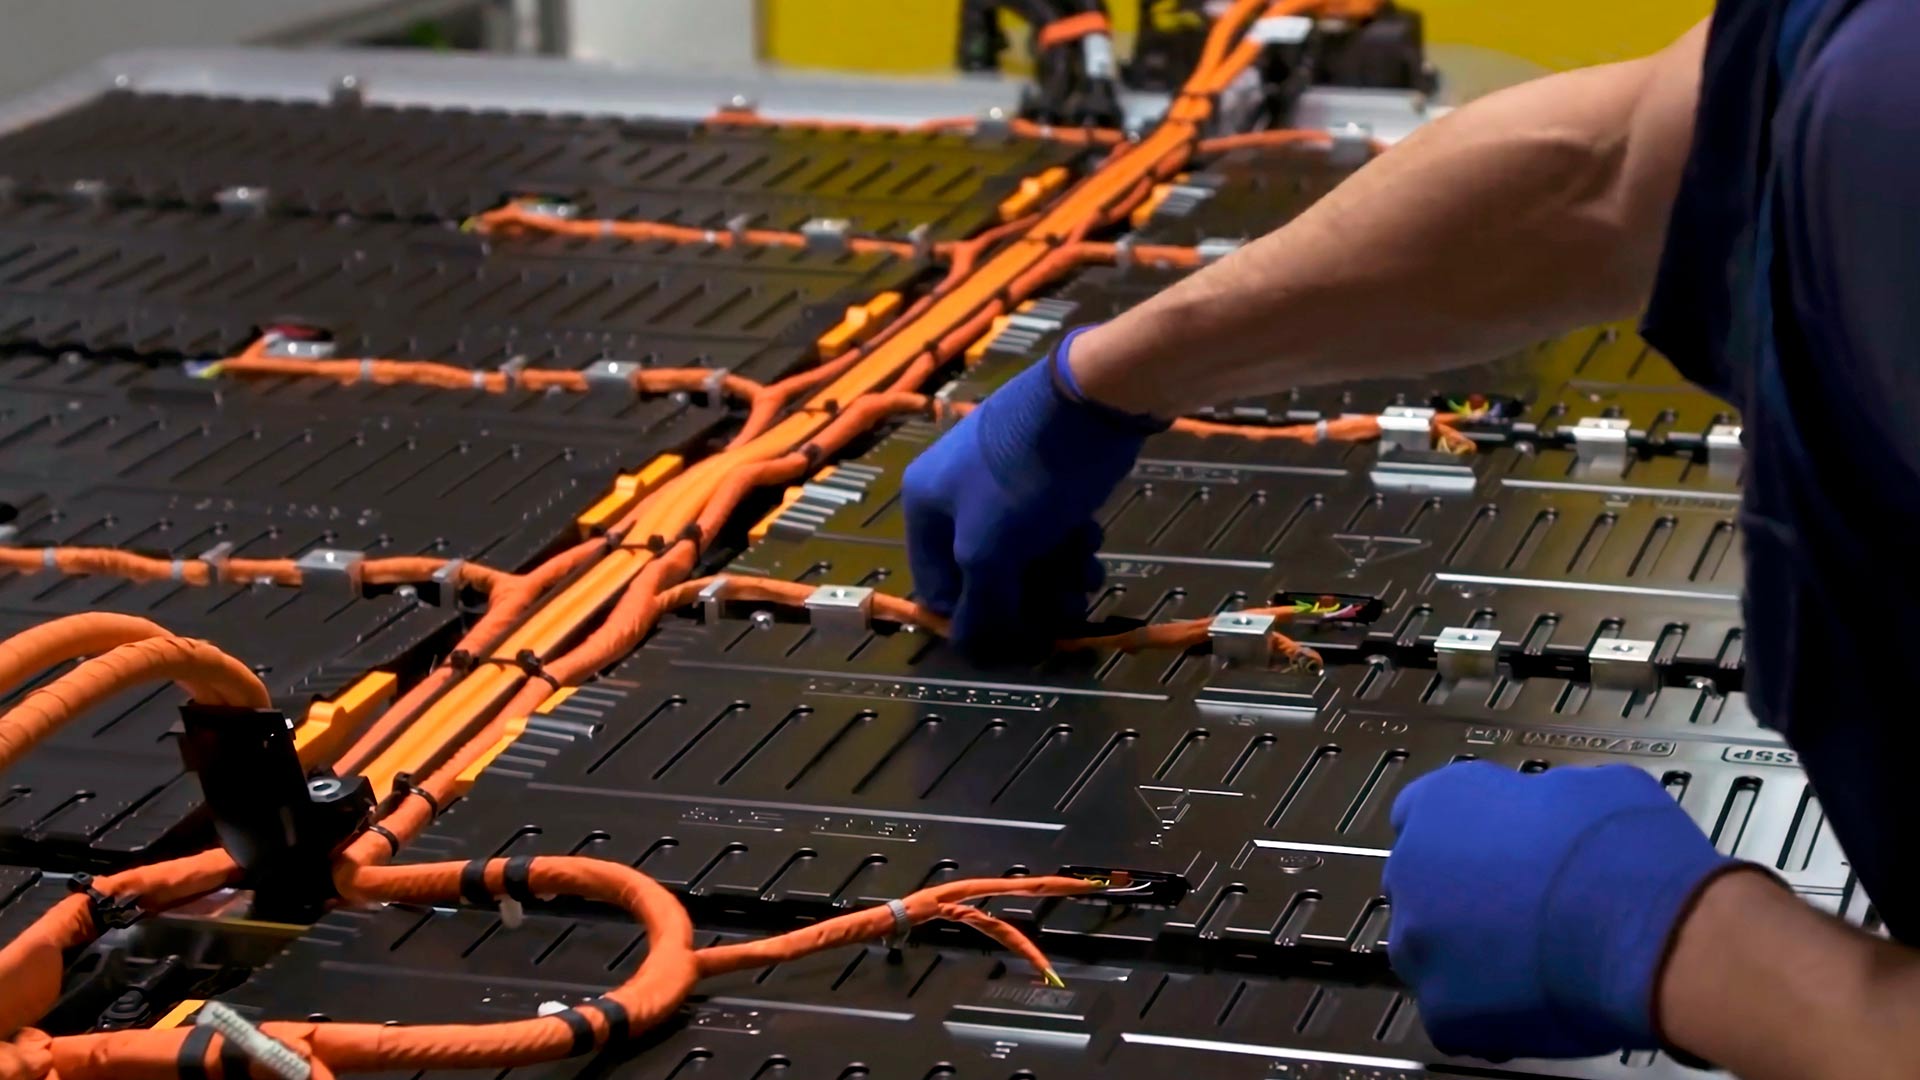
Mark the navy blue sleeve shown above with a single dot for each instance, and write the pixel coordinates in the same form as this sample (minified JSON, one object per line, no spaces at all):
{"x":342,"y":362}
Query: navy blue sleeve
{"x":1848,"y":240}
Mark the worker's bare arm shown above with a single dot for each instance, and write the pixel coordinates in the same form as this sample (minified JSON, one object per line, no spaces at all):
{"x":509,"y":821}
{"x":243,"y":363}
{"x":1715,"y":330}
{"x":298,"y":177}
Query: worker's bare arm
{"x":1771,"y":989}
{"x":1527,"y":213}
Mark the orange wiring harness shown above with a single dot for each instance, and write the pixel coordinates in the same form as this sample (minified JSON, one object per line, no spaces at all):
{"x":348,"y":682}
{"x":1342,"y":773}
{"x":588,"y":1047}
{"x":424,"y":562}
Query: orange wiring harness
{"x":562,"y":621}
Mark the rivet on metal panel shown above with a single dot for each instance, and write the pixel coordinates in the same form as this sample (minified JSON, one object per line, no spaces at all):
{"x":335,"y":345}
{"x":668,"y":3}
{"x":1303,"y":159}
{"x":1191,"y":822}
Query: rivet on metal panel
{"x":1619,"y":664}
{"x":1467,"y":652}
{"x":1242,"y":637}
{"x":241,"y":197}
{"x":92,"y":191}
{"x":994,"y":123}
{"x":841,"y":611}
{"x":336,"y":567}
{"x":348,"y":90}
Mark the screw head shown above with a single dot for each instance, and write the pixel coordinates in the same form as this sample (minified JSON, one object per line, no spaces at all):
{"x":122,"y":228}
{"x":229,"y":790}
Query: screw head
{"x":1622,"y":647}
{"x":1470,"y":637}
{"x":762,"y":620}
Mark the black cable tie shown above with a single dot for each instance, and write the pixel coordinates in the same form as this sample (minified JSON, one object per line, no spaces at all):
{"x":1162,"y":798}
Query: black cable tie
{"x":403,"y":782}
{"x":656,"y":543}
{"x":107,"y":912}
{"x":582,"y":1030}
{"x":695,"y":533}
{"x":386,"y":834}
{"x":813,"y":454}
{"x":618,"y":1025}
{"x":831,"y":407}
{"x":461,"y":661}
{"x":473,"y":884}
{"x":519,"y":869}
{"x":190,"y":1061}
{"x":615,"y":537}
{"x":529,"y":662}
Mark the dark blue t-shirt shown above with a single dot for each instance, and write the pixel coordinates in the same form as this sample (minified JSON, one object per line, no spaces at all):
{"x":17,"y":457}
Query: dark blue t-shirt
{"x":1791,"y":283}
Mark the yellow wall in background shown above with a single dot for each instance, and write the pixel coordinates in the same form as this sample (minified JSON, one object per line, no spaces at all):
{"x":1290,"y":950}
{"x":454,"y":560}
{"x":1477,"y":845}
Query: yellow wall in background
{"x":918,"y":35}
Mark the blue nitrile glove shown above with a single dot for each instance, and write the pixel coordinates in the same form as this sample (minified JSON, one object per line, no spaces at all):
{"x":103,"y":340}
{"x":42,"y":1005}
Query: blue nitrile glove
{"x":1532,"y":913}
{"x":1000,"y":529}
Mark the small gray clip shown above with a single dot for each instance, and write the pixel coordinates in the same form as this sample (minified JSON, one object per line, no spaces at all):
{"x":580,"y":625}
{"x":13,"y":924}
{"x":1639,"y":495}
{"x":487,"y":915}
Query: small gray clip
{"x":446,"y":582}
{"x":826,"y":235}
{"x":713,"y":597}
{"x":841,"y":612}
{"x":1242,"y":637}
{"x":1407,"y":427}
{"x":1352,"y":146}
{"x":1619,"y":664}
{"x":338,"y":566}
{"x":1463,"y":652}
{"x":215,"y":559}
{"x":611,"y":374}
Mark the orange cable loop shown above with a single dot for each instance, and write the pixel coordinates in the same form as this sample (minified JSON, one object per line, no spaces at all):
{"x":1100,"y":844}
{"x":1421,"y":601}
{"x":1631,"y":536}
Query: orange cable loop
{"x":202,"y":670}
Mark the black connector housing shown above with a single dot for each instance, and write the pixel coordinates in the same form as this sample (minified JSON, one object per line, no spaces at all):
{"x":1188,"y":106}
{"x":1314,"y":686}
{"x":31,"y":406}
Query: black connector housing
{"x":282,"y":827}
{"x":1134,"y":886}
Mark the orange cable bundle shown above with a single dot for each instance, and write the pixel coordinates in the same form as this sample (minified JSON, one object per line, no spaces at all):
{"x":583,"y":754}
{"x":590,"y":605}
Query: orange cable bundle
{"x":209,"y":675}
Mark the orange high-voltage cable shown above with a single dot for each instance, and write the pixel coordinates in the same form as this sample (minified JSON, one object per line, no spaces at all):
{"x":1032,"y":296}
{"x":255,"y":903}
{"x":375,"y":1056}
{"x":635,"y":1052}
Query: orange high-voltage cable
{"x":209,"y":675}
{"x":111,"y":562}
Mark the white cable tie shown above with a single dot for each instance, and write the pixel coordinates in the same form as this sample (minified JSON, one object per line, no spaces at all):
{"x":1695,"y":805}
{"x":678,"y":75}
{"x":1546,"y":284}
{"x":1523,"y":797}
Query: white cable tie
{"x":479,"y":380}
{"x":606,"y":228}
{"x":366,"y":370}
{"x":1320,"y":430}
{"x":49,"y":558}
{"x":178,"y":570}
{"x":513,"y":914}
{"x":270,"y":1053}
{"x":901,"y":923}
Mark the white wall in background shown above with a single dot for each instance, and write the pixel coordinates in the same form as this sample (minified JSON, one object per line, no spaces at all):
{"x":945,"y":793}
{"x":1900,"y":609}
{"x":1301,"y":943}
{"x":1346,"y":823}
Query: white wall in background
{"x":703,"y":35}
{"x":43,"y":39}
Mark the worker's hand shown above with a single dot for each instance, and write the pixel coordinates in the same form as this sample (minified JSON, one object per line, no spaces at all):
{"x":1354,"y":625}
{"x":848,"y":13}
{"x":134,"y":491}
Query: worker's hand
{"x":1532,"y":913}
{"x":1000,"y":529}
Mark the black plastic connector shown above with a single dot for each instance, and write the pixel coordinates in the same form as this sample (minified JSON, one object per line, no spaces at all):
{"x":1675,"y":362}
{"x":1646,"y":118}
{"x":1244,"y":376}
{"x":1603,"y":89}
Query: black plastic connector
{"x":107,"y":912}
{"x":282,"y":827}
{"x":1133,"y":886}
